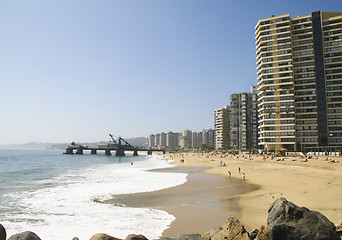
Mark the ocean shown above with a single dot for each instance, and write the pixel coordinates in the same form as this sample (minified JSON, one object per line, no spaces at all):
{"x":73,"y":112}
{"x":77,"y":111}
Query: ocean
{"x":59,"y":196}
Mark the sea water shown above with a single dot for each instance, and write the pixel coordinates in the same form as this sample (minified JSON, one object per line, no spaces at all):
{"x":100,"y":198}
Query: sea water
{"x":59,"y":196}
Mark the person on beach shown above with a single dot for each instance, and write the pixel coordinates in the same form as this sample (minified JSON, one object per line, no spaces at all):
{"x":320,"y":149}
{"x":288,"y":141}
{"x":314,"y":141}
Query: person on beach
{"x":244,"y":177}
{"x":229,"y":173}
{"x":239,"y":170}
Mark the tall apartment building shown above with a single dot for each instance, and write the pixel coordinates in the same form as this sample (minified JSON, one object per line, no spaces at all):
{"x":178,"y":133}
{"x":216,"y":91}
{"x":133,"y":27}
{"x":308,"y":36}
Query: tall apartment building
{"x":222,"y":128}
{"x":197,"y":139}
{"x":208,"y":137}
{"x":172,"y":140}
{"x":243,"y":121}
{"x":151,"y":141}
{"x":188,"y":137}
{"x":300,"y":80}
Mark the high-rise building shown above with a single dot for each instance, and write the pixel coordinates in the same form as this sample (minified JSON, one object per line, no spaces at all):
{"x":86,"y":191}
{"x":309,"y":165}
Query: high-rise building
{"x":157,"y":140}
{"x":243,"y":121}
{"x":151,"y":141}
{"x":300,"y":81}
{"x":172,"y":140}
{"x":208,"y":137}
{"x":187,"y":138}
{"x":162,"y":142}
{"x":222,"y":128}
{"x":195,"y":142}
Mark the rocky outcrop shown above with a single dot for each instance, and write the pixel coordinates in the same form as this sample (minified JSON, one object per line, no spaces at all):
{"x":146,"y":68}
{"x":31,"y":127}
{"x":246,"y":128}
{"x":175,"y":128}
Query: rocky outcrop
{"x":2,"y":233}
{"x":102,"y":236}
{"x":208,"y":235}
{"x":289,"y":222}
{"x":24,"y":236}
{"x":232,"y":230}
{"x":262,"y":234}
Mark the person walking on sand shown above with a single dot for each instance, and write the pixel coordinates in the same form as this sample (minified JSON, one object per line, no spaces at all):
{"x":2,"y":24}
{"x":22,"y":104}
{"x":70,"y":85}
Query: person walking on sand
{"x":239,"y":170}
{"x":229,"y":173}
{"x":244,"y":177}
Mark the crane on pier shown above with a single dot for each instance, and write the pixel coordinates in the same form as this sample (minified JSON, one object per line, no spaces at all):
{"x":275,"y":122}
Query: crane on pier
{"x":113,"y":139}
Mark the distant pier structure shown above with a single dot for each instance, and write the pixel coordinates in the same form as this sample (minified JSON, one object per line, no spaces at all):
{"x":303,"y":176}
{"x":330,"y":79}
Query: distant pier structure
{"x":119,"y":146}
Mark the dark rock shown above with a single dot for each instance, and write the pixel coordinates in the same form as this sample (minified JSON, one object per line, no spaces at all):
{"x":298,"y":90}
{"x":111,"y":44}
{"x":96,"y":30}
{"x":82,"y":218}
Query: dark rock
{"x":75,"y":238}
{"x":232,"y":230}
{"x":102,"y":236}
{"x":290,"y":222}
{"x":253,"y":234}
{"x":185,"y":237}
{"x":262,"y":234}
{"x":2,"y":233}
{"x":136,"y":237}
{"x":24,"y":236}
{"x":208,"y":235}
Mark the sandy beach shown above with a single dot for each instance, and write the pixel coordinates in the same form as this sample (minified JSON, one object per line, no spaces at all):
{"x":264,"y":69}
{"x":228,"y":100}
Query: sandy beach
{"x":203,"y":202}
{"x":210,"y":196}
{"x":315,"y":184}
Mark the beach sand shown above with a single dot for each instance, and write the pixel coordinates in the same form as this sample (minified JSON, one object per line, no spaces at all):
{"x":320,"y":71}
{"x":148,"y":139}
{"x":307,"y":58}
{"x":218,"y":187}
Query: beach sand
{"x":205,"y":201}
{"x":209,"y":196}
{"x":315,"y":184}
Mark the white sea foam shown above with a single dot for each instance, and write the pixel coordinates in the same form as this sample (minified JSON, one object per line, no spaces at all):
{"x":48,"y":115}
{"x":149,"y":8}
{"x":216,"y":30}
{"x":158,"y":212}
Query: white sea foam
{"x":64,"y":207}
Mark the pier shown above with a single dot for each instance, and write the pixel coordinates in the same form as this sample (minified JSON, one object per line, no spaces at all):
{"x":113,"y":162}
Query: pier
{"x":119,"y":147}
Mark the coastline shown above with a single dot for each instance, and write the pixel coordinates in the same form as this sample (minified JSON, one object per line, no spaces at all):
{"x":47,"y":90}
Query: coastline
{"x":315,"y":184}
{"x":205,"y":201}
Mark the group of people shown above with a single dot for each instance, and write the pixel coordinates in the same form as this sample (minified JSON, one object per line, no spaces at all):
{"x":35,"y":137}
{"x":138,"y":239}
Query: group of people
{"x":243,"y":175}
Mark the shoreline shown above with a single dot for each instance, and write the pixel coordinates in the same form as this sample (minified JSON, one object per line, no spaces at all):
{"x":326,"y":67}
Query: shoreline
{"x":315,"y":184}
{"x":204,"y":202}
{"x":198,"y":205}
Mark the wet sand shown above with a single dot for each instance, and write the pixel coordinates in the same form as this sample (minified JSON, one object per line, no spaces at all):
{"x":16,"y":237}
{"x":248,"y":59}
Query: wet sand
{"x":205,"y":201}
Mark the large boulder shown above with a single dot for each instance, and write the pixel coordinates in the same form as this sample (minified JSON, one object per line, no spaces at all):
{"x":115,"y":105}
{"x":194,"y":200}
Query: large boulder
{"x":103,"y":236}
{"x":2,"y":233}
{"x":24,"y":236}
{"x":286,"y":221}
{"x":232,"y":230}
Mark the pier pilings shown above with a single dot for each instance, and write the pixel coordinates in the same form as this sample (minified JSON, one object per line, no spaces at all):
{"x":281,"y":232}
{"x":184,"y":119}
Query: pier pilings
{"x":93,"y":151}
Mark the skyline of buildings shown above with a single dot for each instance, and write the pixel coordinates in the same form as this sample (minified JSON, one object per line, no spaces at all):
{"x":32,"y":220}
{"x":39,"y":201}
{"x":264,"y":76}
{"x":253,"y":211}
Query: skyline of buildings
{"x":297,"y":103}
{"x":236,"y":124}
{"x":186,"y":140}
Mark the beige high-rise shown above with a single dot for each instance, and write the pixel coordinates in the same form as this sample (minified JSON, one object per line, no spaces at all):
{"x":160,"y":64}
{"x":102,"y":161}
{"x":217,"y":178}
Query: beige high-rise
{"x":222,"y":128}
{"x":300,"y":81}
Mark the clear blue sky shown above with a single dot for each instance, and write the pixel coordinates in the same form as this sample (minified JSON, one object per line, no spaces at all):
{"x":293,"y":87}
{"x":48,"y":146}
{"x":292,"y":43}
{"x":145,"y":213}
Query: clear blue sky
{"x":76,"y":70}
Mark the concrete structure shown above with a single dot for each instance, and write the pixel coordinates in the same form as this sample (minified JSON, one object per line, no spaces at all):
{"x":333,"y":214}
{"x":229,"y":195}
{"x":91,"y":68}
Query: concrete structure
{"x":222,"y":128}
{"x":172,"y":140}
{"x":187,"y":138}
{"x":208,"y":137}
{"x":157,"y":140}
{"x":162,"y":142}
{"x":243,"y":121}
{"x":300,"y":81}
{"x":195,"y":140}
{"x":151,"y":141}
